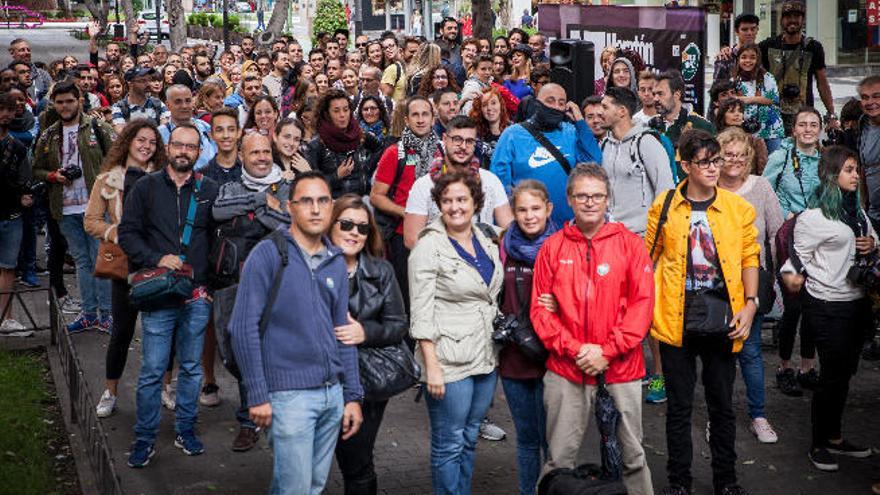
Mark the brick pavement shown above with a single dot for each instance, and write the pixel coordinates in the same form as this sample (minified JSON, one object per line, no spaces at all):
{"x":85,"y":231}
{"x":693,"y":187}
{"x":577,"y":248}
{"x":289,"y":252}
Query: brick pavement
{"x":402,"y":450}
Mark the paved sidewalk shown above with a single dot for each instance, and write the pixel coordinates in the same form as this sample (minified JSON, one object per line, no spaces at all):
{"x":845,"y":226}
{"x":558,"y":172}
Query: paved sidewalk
{"x":402,"y":450}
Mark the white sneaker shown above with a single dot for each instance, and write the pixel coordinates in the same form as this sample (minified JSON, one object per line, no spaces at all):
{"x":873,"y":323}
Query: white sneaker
{"x":761,"y":428}
{"x":106,"y":405}
{"x":69,"y":306}
{"x":168,"y":396}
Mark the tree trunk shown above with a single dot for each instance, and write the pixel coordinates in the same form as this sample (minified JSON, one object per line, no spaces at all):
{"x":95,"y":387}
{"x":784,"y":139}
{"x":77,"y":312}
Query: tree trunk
{"x":176,"y":23}
{"x":482,"y":16}
{"x":279,"y":17}
{"x":99,"y":11}
{"x":130,"y":15}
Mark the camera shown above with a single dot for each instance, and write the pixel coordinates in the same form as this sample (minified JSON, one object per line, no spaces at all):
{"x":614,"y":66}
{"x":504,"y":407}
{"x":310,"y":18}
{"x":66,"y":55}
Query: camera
{"x":503,"y":328}
{"x":657,"y":124}
{"x":835,"y":136}
{"x":751,"y":125}
{"x":36,"y":188}
{"x":71,"y":172}
{"x":865,"y":272}
{"x":791,"y":91}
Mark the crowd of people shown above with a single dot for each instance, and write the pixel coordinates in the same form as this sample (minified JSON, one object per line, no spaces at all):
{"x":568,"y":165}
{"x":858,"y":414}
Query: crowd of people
{"x":384,"y":213}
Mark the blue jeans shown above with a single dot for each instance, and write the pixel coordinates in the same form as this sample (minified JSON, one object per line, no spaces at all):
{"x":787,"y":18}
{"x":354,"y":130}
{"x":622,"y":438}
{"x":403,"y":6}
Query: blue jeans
{"x":305,"y":427}
{"x":751,"y":363}
{"x":526,"y":401}
{"x":186,"y":325}
{"x":95,"y":292}
{"x":455,"y":424}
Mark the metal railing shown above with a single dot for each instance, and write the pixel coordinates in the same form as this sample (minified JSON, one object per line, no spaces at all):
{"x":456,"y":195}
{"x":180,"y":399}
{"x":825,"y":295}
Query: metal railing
{"x":82,"y":407}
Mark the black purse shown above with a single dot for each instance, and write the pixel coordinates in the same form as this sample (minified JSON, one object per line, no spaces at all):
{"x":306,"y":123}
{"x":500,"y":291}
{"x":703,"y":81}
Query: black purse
{"x":707,"y":312}
{"x":517,"y":329}
{"x":766,"y":282}
{"x":387,"y":371}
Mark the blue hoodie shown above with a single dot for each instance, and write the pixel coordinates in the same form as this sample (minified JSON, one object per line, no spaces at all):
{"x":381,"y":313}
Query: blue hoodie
{"x":518,"y":156}
{"x":299,"y":349}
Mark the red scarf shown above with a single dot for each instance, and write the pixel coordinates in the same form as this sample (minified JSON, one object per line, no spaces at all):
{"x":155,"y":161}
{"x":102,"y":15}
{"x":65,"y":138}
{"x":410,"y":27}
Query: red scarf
{"x":341,"y":140}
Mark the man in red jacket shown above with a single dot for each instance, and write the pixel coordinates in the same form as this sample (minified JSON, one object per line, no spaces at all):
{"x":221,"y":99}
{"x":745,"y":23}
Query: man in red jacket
{"x":601,"y":277}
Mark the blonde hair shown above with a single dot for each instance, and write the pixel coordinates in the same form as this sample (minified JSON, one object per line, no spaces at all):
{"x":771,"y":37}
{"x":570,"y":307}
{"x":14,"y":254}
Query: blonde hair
{"x":733,"y":135}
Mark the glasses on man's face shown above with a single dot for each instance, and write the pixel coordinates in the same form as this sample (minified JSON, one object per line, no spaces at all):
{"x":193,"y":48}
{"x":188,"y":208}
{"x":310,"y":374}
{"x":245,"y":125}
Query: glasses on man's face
{"x":705,"y":163}
{"x":589,"y":198}
{"x":458,"y":141}
{"x":389,"y":47}
{"x":186,"y":146}
{"x":309,"y":202}
{"x":347,"y":225}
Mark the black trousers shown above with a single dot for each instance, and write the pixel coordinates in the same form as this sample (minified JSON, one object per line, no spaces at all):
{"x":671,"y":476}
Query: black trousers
{"x":398,"y":256}
{"x":57,"y":250}
{"x":719,"y":370}
{"x":355,"y":455}
{"x":788,"y":328}
{"x":839,"y":327}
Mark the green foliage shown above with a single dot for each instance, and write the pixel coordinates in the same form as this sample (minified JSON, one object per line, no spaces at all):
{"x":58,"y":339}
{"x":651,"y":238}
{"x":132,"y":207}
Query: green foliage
{"x":496,"y":32}
{"x":329,"y":16}
{"x":79,"y":13}
{"x":217,"y":21}
{"x":234,"y":22}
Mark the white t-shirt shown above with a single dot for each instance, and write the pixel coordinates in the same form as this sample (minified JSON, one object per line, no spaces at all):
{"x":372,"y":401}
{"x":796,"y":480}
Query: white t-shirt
{"x":641,"y":118}
{"x":75,"y":195}
{"x":420,"y":202}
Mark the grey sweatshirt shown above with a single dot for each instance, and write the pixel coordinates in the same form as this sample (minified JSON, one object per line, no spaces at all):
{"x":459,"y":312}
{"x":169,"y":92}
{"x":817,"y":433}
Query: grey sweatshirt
{"x":635,"y":184}
{"x":235,"y":199}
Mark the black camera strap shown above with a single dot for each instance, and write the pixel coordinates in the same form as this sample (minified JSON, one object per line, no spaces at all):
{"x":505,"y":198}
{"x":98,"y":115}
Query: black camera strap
{"x":519,"y":283}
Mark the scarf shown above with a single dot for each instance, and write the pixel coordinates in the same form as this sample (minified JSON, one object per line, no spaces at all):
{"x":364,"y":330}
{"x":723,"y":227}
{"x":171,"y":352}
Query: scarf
{"x":376,"y":129}
{"x":438,"y":166}
{"x":425,"y":148}
{"x":523,"y":249}
{"x":341,"y":140}
{"x":260,"y":184}
{"x":548,"y":119}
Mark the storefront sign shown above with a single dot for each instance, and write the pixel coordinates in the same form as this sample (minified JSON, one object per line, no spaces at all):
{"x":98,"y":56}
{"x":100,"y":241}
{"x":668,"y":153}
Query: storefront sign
{"x":665,"y":38}
{"x":872,"y":9}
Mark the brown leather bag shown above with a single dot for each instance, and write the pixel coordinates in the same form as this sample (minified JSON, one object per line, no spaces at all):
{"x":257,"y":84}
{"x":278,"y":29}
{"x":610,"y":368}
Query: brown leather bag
{"x":112,"y":262}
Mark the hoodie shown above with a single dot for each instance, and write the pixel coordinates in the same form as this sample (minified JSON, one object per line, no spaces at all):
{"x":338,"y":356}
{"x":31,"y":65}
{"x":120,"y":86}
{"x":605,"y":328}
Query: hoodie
{"x":795,"y":193}
{"x":633,"y":77}
{"x":635,"y":183}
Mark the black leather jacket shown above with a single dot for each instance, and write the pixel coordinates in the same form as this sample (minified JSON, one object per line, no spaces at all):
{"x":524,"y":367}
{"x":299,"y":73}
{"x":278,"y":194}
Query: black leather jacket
{"x":376,"y":302}
{"x":326,"y":161}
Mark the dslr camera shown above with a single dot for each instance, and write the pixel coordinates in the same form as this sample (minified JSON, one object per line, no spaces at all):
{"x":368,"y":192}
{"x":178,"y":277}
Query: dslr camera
{"x":751,"y":125}
{"x":791,"y":91}
{"x":36,"y":188}
{"x":835,"y":137}
{"x":503,"y":328}
{"x":71,"y":172}
{"x":865,"y":272}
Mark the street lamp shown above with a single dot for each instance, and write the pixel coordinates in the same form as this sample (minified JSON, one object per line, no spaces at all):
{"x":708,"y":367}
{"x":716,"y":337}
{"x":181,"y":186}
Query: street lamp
{"x":226,"y":25}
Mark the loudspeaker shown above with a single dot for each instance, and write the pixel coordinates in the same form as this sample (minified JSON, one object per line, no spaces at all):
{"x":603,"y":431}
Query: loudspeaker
{"x":571,"y":66}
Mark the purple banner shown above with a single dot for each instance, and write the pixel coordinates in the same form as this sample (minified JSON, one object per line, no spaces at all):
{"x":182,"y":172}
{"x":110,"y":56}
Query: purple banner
{"x":666,"y":38}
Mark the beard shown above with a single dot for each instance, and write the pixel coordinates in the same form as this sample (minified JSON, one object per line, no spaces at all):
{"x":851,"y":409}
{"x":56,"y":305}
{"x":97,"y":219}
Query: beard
{"x":182,"y":163}
{"x":450,"y":159}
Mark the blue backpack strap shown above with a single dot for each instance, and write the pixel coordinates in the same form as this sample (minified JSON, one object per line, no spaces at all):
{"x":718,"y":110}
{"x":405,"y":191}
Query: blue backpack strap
{"x":190,"y":217}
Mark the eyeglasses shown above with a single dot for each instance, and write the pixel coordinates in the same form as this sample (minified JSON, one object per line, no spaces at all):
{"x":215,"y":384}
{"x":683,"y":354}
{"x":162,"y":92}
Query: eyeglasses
{"x":187,"y":146}
{"x":347,"y":225}
{"x":309,"y":202}
{"x":458,"y":141}
{"x":361,"y":45}
{"x":732,"y":158}
{"x":704,"y":164}
{"x":389,"y":47}
{"x":370,"y":109}
{"x":589,"y":198}
{"x":365,"y":79}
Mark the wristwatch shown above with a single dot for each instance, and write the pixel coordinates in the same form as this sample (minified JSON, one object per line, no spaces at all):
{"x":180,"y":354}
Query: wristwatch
{"x":755,"y":300}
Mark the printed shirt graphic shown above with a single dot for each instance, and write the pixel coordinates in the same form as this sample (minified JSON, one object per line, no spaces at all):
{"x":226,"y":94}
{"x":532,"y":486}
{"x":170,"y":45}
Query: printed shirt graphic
{"x":769,"y":116}
{"x":704,"y":272}
{"x":541,"y":157}
{"x":75,"y":195}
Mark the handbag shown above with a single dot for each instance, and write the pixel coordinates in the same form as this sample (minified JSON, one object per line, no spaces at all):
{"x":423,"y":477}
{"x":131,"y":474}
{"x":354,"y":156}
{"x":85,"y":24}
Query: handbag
{"x":387,"y":371}
{"x":159,"y":287}
{"x":766,"y":282}
{"x":524,"y":335}
{"x":707,"y":312}
{"x":111,"y":262}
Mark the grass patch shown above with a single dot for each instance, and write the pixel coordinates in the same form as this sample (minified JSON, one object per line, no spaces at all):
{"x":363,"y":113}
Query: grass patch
{"x":34,"y":454}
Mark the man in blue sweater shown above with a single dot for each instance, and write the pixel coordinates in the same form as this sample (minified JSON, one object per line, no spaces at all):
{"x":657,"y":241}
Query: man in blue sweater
{"x":299,"y":379}
{"x":520,"y":156}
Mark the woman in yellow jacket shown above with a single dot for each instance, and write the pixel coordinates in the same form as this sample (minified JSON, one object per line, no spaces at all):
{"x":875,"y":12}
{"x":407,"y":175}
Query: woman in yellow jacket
{"x":706,"y":278}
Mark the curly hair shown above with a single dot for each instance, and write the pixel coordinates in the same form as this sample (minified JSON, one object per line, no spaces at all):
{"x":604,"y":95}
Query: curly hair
{"x":484,"y":130}
{"x":469,"y":179}
{"x":251,"y":120}
{"x":117,"y":155}
{"x":426,"y":88}
{"x":322,"y":112}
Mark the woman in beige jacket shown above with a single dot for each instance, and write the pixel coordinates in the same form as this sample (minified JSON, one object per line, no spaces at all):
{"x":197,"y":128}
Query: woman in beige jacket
{"x":136,"y":152}
{"x":455,"y":276}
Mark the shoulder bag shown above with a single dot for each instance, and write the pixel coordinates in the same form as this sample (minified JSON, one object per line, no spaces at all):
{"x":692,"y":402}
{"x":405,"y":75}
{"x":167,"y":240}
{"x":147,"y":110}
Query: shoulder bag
{"x":543,"y":141}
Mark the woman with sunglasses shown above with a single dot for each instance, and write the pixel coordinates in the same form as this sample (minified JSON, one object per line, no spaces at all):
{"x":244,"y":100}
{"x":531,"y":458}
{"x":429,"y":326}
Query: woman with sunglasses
{"x":455,"y":279}
{"x":376,"y":303}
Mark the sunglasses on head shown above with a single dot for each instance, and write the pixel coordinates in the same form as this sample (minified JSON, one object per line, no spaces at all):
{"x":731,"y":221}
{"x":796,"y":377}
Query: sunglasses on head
{"x":347,"y":225}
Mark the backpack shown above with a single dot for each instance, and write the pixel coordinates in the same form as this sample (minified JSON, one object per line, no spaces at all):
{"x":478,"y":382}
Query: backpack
{"x":224,"y":303}
{"x":635,"y":155}
{"x":582,"y":480}
{"x":785,"y":246}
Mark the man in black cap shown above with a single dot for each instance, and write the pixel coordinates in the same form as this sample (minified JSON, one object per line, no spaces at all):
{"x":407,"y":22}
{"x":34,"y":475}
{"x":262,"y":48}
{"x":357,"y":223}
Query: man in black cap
{"x":795,"y":60}
{"x":137,"y":105}
{"x":745,"y":26}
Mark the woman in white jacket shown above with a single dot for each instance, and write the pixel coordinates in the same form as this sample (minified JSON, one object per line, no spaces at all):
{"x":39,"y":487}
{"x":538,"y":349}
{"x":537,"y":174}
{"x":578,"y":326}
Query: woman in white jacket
{"x":829,"y":239}
{"x":455,"y":276}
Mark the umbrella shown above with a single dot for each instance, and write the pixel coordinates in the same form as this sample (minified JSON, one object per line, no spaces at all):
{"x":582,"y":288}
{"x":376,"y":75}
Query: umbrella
{"x":607,"y":417}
